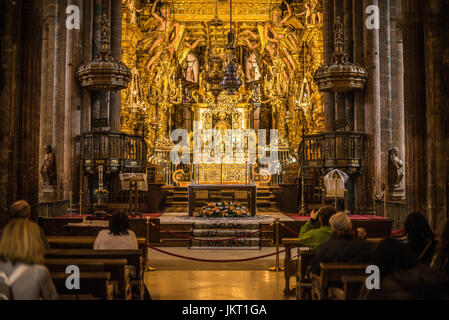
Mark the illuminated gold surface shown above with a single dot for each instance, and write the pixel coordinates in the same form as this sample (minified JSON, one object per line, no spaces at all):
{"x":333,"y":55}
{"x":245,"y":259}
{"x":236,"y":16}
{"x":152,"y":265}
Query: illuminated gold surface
{"x":293,"y":97}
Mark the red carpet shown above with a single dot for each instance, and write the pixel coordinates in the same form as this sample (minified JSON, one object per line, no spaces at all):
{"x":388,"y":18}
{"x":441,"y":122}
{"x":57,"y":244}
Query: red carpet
{"x":296,"y":216}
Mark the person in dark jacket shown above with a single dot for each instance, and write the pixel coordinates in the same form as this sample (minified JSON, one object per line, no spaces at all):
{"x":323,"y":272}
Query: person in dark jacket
{"x":420,"y":237}
{"x":345,"y":244}
{"x":401,"y":277}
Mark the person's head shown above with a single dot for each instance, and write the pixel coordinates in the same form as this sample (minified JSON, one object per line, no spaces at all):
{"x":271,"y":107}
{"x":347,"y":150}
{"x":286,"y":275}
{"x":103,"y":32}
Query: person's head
{"x":276,"y":13}
{"x":340,"y":222}
{"x":325,"y":213}
{"x":119,"y":223}
{"x":21,"y":242}
{"x":391,"y":255}
{"x":20,"y":209}
{"x":165,"y":11}
{"x":417,"y":228}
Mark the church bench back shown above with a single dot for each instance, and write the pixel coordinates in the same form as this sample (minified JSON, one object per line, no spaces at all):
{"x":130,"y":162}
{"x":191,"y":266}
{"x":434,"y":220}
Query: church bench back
{"x":331,"y":275}
{"x":134,"y":257}
{"x":116,"y":268}
{"x":97,"y":284}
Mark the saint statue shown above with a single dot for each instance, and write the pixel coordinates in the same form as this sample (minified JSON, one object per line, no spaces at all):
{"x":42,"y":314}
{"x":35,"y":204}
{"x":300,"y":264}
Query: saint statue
{"x":280,"y":40}
{"x":48,"y":169}
{"x":222,"y":124}
{"x":395,"y":174}
{"x":186,"y":59}
{"x":164,"y":38}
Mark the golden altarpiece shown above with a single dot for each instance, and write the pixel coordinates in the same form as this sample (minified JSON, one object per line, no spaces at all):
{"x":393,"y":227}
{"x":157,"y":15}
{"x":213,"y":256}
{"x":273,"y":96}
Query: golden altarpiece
{"x":177,"y":53}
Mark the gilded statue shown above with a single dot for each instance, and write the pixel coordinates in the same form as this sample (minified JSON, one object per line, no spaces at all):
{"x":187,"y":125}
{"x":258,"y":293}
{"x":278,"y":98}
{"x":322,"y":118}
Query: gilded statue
{"x":132,"y":11}
{"x":164,"y":38}
{"x":280,"y":40}
{"x":48,"y":169}
{"x":222,"y":124}
{"x":186,"y":59}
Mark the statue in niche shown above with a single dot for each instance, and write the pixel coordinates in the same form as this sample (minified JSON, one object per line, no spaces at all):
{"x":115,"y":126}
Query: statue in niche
{"x":279,"y":39}
{"x":222,"y":124}
{"x":186,"y":59}
{"x":395,"y":173}
{"x":48,"y":169}
{"x":164,"y":38}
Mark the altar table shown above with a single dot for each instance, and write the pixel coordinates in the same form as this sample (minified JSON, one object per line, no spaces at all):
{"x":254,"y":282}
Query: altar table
{"x":223,"y":192}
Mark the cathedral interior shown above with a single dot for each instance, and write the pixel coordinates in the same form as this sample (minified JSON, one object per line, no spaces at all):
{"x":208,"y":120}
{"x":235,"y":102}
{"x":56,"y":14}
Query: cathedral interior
{"x":165,"y":109}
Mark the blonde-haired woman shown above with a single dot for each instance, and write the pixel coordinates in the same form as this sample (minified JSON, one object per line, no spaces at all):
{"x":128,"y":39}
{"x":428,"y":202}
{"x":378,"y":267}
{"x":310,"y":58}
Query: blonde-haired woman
{"x":21,"y":260}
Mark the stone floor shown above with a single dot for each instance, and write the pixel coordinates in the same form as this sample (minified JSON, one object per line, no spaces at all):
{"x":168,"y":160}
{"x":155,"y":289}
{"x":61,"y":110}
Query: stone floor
{"x":179,"y":279}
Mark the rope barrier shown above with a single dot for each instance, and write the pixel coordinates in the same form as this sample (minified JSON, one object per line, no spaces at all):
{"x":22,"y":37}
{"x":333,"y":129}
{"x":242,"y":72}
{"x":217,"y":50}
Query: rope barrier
{"x":288,"y":229}
{"x":212,"y":240}
{"x":209,"y":260}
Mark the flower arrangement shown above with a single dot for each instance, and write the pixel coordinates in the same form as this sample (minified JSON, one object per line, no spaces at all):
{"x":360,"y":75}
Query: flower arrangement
{"x":101,"y":194}
{"x":223,"y":209}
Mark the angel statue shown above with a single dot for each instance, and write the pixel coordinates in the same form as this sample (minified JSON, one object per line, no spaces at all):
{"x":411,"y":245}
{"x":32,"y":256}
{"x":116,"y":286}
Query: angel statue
{"x":164,"y":38}
{"x":132,"y":10}
{"x":279,"y":39}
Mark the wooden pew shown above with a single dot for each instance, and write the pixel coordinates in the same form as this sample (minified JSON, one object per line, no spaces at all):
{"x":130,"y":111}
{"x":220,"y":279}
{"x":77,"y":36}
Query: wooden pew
{"x":134,"y":258}
{"x":79,"y":242}
{"x":97,"y":284}
{"x":331,"y":277}
{"x":290,"y":265}
{"x":303,"y":279}
{"x":116,"y":267}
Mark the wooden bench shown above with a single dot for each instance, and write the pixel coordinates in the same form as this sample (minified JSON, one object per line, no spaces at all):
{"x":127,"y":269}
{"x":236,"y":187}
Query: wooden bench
{"x":133,"y":257}
{"x":117,"y":268}
{"x":331,"y":277}
{"x":303,"y":279}
{"x":290,"y":264}
{"x":79,"y":242}
{"x":97,"y":284}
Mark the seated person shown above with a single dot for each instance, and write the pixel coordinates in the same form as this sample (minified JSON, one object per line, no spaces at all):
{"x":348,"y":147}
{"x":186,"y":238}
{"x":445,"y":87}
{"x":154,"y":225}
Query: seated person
{"x":22,"y":210}
{"x":118,"y":236}
{"x":315,"y":237}
{"x":401,"y":278}
{"x":21,"y":262}
{"x":345,"y":244}
{"x":420,"y":237}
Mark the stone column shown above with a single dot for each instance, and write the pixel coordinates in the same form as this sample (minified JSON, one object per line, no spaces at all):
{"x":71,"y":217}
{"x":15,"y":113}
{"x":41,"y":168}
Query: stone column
{"x":414,"y":104}
{"x":360,"y":181}
{"x":372,"y":112}
{"x":436,"y":47}
{"x":116,"y":45}
{"x":328,"y":40}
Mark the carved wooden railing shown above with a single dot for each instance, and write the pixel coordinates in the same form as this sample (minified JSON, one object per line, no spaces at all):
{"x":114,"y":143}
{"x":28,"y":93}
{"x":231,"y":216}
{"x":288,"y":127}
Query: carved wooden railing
{"x":117,"y":152}
{"x":332,"y":150}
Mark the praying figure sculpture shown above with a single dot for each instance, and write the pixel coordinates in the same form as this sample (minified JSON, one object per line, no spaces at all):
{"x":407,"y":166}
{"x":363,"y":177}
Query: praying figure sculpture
{"x":48,"y":169}
{"x":395,"y":173}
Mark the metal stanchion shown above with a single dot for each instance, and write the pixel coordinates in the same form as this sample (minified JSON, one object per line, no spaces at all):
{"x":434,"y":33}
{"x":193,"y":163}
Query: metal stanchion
{"x":147,"y":243}
{"x":277,"y":267}
{"x":81,"y":203}
{"x":70,"y":202}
